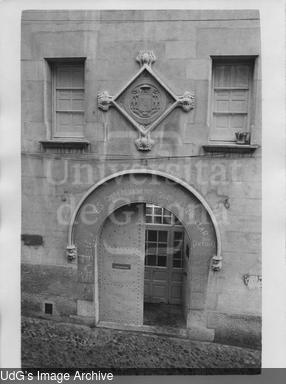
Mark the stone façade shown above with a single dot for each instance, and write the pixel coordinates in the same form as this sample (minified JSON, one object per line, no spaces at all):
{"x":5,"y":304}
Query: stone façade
{"x":55,"y":179}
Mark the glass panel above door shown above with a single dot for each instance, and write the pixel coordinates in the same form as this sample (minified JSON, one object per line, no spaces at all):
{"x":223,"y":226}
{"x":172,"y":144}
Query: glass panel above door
{"x":158,"y":215}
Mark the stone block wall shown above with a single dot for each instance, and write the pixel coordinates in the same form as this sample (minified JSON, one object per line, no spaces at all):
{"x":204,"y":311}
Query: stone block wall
{"x":54,"y":181}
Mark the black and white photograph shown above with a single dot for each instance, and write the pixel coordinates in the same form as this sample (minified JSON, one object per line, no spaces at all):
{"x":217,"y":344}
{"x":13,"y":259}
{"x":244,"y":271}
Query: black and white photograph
{"x":141,"y":141}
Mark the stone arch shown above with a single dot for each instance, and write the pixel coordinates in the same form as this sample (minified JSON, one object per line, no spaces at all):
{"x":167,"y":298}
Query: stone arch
{"x":165,"y":175}
{"x":141,"y":186}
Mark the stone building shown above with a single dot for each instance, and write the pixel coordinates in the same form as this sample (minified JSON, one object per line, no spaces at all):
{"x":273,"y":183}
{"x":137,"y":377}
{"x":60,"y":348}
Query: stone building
{"x":141,"y":194}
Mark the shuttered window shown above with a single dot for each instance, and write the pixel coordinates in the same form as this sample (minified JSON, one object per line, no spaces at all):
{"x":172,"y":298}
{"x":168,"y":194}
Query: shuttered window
{"x":231,"y":93}
{"x":68,"y":96}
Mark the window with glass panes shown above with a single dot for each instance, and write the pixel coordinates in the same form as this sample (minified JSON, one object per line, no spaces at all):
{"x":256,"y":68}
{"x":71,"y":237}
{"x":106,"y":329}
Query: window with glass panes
{"x":163,"y":243}
{"x":159,"y":215}
{"x":231,"y":94}
{"x":156,"y":248}
{"x":68,"y":99}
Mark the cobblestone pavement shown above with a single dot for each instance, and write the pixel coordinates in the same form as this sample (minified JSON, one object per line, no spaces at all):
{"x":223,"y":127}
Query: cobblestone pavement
{"x":48,"y":344}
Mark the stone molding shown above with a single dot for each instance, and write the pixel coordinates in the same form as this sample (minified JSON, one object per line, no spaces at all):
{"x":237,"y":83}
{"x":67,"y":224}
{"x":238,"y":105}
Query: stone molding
{"x":146,"y":57}
{"x":187,"y":101}
{"x":144,"y":143}
{"x":104,"y":100}
{"x":145,"y":92}
{"x":71,"y":252}
{"x":252,"y":281}
{"x":139,"y":187}
{"x":230,"y":148}
{"x":65,"y":144}
{"x":175,"y":179}
{"x":216,"y":263}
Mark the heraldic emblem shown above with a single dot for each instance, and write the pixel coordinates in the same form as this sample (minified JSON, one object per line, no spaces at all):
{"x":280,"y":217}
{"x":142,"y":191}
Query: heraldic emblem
{"x":145,"y":101}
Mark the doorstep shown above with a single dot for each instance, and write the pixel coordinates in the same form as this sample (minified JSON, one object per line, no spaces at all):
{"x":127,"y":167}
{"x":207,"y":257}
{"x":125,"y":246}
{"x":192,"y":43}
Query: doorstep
{"x":194,"y":333}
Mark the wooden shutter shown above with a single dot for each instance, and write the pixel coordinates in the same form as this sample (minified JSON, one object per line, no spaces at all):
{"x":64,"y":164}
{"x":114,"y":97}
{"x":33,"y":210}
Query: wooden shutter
{"x":69,"y":100}
{"x":230,"y":104}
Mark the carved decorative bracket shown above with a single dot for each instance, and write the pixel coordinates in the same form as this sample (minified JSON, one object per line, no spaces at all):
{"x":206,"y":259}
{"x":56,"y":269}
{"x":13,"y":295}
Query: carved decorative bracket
{"x":187,"y":101}
{"x":216,"y":263}
{"x":145,"y":101}
{"x":252,"y":281}
{"x":71,"y":252}
{"x":146,"y":57}
{"x":144,"y":142}
{"x":104,"y":100}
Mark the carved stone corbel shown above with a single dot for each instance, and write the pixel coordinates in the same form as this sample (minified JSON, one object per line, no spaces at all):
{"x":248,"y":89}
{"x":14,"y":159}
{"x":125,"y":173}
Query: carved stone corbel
{"x":252,"y":281}
{"x":146,"y":57}
{"x":71,"y":252}
{"x":144,"y":142}
{"x":187,"y":101}
{"x":216,"y":263}
{"x":104,"y":100}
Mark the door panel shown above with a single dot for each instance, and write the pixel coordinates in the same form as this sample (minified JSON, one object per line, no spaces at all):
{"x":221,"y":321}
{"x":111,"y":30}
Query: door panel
{"x":155,"y":285}
{"x":163,"y":279}
{"x":121,"y":267}
{"x":176,"y":294}
{"x":176,"y":267}
{"x":160,"y":275}
{"x":156,"y":270}
{"x":159,"y":292}
{"x":177,"y":276}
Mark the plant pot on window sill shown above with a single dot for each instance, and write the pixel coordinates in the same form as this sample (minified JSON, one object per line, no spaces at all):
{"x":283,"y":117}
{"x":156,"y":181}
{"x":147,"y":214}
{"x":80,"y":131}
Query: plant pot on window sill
{"x":242,"y":138}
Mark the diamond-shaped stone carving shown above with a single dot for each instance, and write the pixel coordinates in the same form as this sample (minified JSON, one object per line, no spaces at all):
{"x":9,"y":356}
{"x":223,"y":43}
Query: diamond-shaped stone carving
{"x":145,"y":101}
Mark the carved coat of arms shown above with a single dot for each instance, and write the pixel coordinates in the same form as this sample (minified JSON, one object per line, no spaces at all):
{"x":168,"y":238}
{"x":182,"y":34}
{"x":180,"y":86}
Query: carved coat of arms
{"x":145,"y":101}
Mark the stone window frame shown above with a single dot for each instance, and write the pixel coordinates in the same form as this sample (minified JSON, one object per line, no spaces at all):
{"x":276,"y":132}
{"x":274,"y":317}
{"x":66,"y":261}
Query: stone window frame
{"x":51,"y":140}
{"x":233,"y":60}
{"x":56,"y":89}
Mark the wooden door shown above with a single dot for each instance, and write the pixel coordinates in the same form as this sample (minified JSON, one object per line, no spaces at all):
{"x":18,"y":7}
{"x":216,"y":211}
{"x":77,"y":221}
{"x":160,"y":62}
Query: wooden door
{"x":176,"y":261}
{"x":121,"y":267}
{"x":163,"y":278}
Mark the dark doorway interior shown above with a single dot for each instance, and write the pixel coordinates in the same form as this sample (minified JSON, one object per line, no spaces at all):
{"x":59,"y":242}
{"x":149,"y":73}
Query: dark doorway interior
{"x":164,"y":315}
{"x":164,"y":268}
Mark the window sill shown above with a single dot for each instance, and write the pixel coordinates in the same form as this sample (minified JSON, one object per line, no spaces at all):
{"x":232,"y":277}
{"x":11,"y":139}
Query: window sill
{"x":65,"y":143}
{"x":230,"y":148}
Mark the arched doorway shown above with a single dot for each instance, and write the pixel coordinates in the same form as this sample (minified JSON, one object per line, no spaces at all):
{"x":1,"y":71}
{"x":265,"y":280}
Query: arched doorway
{"x":159,"y":189}
{"x":136,"y":235}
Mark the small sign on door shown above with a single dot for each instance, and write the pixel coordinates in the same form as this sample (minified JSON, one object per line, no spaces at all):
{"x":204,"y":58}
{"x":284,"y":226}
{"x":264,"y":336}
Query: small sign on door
{"x":121,"y":266}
